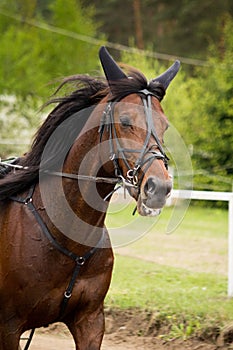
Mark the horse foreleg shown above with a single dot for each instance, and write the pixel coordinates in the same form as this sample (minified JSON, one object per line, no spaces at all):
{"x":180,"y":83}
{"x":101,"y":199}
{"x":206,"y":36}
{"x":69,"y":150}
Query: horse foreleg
{"x":9,"y":340}
{"x":88,"y":330}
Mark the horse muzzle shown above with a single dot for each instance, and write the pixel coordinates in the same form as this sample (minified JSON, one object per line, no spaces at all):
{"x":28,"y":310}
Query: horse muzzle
{"x":153,"y":195}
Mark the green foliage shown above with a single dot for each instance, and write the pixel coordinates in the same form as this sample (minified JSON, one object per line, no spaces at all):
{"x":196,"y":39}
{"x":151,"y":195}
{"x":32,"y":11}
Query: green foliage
{"x":201,"y":109}
{"x":207,"y":120}
{"x":18,"y":123}
{"x":185,"y":28}
{"x":20,"y":75}
{"x":31,"y":57}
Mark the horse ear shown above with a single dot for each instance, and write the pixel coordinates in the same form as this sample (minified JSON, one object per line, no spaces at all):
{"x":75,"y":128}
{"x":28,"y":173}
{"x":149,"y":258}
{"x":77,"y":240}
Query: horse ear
{"x":111,"y":70}
{"x":165,"y":78}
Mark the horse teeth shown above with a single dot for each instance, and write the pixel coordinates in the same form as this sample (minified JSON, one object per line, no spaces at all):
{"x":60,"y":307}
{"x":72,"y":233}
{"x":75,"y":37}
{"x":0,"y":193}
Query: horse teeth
{"x":150,"y":211}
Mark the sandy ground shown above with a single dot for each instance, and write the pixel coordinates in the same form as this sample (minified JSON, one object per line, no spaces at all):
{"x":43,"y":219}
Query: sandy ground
{"x":55,"y":342}
{"x":57,"y":337}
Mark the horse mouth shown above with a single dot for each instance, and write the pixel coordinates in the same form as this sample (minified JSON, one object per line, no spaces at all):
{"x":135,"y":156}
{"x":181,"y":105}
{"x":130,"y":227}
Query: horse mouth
{"x":144,"y":210}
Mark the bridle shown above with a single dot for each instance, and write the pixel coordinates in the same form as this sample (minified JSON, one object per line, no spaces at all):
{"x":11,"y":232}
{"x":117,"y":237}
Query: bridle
{"x":146,"y":154}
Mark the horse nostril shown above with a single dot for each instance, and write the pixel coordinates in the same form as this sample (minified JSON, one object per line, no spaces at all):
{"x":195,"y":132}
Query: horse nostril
{"x":150,"y":187}
{"x":169,"y":188}
{"x":155,"y":187}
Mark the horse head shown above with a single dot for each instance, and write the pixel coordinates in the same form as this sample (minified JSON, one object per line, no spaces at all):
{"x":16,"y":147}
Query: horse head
{"x":136,"y":125}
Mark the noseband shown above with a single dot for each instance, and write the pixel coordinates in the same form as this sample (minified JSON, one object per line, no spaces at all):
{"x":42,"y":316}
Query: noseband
{"x":146,"y":154}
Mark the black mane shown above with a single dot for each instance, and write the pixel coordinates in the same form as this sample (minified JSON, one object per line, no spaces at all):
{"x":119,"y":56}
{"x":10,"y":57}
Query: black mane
{"x":89,"y":92}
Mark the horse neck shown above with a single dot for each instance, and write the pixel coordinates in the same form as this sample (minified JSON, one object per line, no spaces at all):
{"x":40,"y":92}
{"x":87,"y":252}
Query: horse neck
{"x":86,"y":197}
{"x":76,"y":208}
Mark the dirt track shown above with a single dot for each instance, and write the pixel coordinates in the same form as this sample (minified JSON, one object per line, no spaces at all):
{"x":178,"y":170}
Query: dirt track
{"x":57,"y":337}
{"x":112,"y":342}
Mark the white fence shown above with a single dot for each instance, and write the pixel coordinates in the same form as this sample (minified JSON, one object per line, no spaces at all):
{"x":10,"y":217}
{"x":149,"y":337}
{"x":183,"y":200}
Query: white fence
{"x":216,"y":196}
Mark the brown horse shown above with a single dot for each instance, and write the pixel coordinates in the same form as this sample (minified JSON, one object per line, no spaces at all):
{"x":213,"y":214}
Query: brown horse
{"x":53,"y":239}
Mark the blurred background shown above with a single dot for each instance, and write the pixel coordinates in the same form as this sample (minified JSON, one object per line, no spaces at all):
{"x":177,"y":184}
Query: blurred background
{"x":43,"y":41}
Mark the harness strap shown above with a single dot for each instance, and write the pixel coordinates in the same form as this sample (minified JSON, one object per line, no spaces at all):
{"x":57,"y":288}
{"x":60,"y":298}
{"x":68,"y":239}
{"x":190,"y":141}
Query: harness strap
{"x":79,"y":263}
{"x":28,"y":201}
{"x":97,"y":179}
{"x":29,"y":339}
{"x":79,"y":260}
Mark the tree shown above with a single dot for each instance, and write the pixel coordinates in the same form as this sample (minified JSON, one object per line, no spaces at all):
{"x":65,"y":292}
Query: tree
{"x":200,"y":107}
{"x":205,"y":116}
{"x":184,"y":28}
{"x":31,"y":57}
{"x":138,"y":24}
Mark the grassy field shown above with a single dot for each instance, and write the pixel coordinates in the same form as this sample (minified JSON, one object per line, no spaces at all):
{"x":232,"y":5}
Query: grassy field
{"x":180,"y":278}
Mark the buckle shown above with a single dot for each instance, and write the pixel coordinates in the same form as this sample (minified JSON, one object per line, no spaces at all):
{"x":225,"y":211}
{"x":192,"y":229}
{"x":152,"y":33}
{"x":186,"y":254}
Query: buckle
{"x":132,"y":177}
{"x":80,"y":261}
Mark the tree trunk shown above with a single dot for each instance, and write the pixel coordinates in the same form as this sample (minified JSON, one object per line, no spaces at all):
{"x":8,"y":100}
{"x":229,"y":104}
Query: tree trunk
{"x":138,"y":24}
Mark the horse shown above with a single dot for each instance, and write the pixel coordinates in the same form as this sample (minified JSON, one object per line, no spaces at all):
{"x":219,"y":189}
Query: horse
{"x":56,"y":256}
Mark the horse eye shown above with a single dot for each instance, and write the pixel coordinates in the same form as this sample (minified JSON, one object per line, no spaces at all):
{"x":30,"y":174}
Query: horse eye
{"x":125,"y":121}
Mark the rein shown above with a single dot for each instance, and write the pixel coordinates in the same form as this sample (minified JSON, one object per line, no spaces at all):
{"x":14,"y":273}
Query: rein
{"x":120,"y":181}
{"x":97,"y":179}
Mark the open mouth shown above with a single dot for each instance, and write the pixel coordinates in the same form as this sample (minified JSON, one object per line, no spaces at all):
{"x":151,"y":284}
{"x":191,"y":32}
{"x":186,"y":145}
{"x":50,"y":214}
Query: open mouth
{"x":146,"y":211}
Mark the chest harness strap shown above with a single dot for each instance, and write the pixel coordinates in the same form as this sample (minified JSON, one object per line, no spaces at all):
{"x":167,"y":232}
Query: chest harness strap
{"x":79,"y":260}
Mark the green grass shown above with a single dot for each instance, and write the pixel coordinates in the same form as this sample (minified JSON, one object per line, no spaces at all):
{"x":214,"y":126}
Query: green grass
{"x":196,"y":301}
{"x":189,"y":301}
{"x":199,"y":242}
{"x":192,"y":220}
